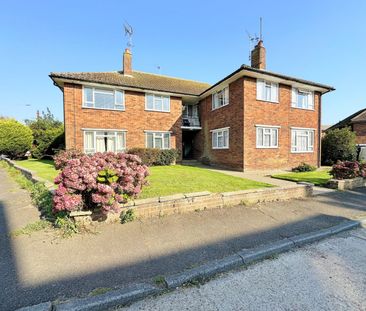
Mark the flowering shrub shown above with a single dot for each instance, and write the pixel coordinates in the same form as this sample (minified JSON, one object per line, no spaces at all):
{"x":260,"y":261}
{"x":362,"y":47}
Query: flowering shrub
{"x":348,"y":170}
{"x":99,"y":181}
{"x":61,"y":158}
{"x":153,"y":156}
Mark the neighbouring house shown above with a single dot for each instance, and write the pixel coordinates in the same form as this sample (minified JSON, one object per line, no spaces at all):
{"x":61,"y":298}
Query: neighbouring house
{"x":357,"y":123}
{"x":251,"y":119}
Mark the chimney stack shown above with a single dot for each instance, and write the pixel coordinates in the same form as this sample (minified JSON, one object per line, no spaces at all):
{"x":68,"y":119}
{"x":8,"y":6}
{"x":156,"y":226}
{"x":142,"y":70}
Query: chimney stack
{"x":127,"y":62}
{"x":258,"y":56}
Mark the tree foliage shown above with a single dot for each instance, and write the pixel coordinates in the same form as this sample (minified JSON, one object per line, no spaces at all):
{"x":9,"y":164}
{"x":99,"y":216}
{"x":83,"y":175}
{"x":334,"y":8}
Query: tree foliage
{"x":339,"y":145}
{"x":48,"y":133}
{"x":15,"y":138}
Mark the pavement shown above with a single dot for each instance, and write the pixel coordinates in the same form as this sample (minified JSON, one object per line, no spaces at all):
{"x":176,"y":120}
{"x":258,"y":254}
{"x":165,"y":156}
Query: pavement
{"x":329,"y":275}
{"x":43,"y":267}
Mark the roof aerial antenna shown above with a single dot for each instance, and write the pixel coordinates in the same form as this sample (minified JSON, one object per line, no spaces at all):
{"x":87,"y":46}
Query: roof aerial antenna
{"x":252,"y":42}
{"x":128,"y":33}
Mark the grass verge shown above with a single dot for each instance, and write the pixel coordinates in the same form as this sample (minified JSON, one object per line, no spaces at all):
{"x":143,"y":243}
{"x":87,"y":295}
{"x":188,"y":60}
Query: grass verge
{"x":318,"y":178}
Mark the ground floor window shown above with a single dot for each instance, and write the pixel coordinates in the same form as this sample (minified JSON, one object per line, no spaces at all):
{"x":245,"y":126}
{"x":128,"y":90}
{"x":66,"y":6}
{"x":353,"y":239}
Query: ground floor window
{"x":159,"y":140}
{"x":220,"y":138}
{"x":104,"y":140}
{"x":267,"y":137}
{"x":302,"y":140}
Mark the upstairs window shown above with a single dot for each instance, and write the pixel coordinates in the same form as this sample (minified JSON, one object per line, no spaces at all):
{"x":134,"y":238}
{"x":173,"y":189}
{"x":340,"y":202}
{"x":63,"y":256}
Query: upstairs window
{"x":103,"y":99}
{"x":267,"y":91}
{"x":104,"y":140}
{"x":157,"y":102}
{"x":302,"y":140}
{"x":159,"y":140}
{"x":302,"y":99}
{"x":267,"y":137}
{"x":220,"y":138}
{"x":220,"y":98}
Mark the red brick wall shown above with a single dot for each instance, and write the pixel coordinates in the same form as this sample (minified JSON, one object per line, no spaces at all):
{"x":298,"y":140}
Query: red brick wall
{"x":279,"y":114}
{"x":227,"y":116}
{"x":360,"y":129}
{"x":134,"y":119}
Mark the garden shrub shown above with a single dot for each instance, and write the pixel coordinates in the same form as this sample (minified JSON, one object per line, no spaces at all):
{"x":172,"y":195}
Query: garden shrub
{"x":152,"y":156}
{"x":339,"y":145}
{"x":15,"y":138}
{"x":348,"y":170}
{"x":48,"y":134}
{"x":61,"y":158}
{"x":100,"y":181}
{"x":304,"y":167}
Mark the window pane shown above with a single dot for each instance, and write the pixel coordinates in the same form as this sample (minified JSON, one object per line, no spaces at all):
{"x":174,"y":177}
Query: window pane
{"x":101,"y":147}
{"x":149,"y":101}
{"x":267,"y":140}
{"x":158,"y":142}
{"x":220,"y":139}
{"x":119,"y":98}
{"x":89,"y":142}
{"x":121,"y":141}
{"x":149,"y":140}
{"x":259,"y":137}
{"x":104,"y":100}
{"x":267,"y":91}
{"x":88,"y":94}
{"x":226,"y":138}
{"x":111,"y":144}
{"x":274,"y":137}
{"x":158,"y":103}
{"x":214,"y":139}
{"x":166,"y":141}
{"x":166,"y":103}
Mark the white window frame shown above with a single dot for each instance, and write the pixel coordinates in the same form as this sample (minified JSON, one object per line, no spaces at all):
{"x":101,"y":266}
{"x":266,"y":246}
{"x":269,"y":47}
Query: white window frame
{"x":226,"y":94}
{"x":156,"y":134}
{"x":310,"y":105}
{"x":155,"y":97}
{"x":101,"y":90}
{"x":267,"y":130}
{"x":220,"y":133}
{"x":262,"y":86}
{"x":94,"y":131}
{"x":309,"y":134}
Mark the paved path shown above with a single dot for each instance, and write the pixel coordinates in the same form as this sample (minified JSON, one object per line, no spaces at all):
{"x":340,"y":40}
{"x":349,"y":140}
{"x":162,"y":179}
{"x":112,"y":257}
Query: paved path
{"x":330,"y":275}
{"x":43,"y":267}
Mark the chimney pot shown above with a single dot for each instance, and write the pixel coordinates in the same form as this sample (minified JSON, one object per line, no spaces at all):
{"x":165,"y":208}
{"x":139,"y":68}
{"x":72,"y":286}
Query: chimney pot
{"x":258,"y":56}
{"x":127,"y":62}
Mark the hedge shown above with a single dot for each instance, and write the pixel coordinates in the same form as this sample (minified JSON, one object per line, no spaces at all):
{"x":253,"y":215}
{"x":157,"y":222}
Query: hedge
{"x":155,"y":157}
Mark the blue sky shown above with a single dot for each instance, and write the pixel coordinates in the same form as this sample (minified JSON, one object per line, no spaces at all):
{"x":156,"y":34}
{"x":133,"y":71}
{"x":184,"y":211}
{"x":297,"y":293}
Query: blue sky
{"x":323,"y":41}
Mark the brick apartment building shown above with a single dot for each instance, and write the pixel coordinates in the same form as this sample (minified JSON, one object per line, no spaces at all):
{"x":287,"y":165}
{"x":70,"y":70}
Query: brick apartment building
{"x":251,"y":119}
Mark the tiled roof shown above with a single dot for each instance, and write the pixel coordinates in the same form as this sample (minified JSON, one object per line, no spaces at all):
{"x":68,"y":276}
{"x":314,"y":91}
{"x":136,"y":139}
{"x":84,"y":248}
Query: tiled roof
{"x":138,"y":79}
{"x":359,"y":116}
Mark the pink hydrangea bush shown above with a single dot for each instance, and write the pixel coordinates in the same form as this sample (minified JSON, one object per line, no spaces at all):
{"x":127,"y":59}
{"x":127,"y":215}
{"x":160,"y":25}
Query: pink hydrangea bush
{"x":348,"y":170}
{"x":100,"y":181}
{"x":61,"y":158}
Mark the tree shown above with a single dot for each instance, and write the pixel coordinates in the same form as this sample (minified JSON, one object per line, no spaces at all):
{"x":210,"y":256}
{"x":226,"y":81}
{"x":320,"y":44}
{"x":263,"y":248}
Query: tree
{"x":48,"y":133}
{"x":339,"y":144}
{"x":15,"y":138}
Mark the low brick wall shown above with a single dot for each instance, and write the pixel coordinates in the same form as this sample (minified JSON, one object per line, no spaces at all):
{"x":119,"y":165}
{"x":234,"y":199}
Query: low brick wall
{"x":347,"y":184}
{"x":189,"y":202}
{"x":29,"y":174}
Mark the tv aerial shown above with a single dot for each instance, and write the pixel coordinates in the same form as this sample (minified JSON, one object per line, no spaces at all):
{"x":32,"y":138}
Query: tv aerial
{"x":254,"y":39}
{"x":128,"y":33}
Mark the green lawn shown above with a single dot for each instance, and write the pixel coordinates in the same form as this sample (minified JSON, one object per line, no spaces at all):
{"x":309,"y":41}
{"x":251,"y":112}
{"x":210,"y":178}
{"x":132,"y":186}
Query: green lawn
{"x":318,"y":178}
{"x":42,"y":168}
{"x":166,"y":180}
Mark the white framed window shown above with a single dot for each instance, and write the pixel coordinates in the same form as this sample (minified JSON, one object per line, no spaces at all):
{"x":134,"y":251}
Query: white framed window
{"x":302,"y":140}
{"x":104,"y":140}
{"x":159,"y":140}
{"x":267,"y":91}
{"x":156,"y":102}
{"x":220,"y":138}
{"x":103,"y":98}
{"x":302,"y":99}
{"x":220,"y":98}
{"x":267,"y":136}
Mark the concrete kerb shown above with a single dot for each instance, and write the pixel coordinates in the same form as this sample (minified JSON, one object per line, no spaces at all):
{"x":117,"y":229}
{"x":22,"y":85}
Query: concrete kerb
{"x":133,"y":293}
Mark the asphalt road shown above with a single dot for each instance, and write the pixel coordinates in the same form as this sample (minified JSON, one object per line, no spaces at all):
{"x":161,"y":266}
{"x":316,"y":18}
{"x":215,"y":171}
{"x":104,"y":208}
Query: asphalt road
{"x":330,"y":275}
